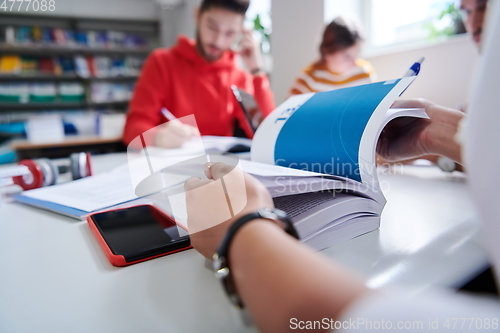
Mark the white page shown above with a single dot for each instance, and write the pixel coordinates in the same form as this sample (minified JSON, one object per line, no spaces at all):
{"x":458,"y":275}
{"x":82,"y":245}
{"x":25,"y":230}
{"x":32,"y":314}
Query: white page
{"x":268,"y":170}
{"x":190,"y":148}
{"x":223,"y":143}
{"x":284,"y":186}
{"x":200,"y":147}
{"x":88,"y":194}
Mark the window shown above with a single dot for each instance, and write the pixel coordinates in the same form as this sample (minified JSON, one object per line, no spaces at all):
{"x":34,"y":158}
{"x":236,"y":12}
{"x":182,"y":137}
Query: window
{"x":396,"y":21}
{"x":262,"y":10}
{"x":390,"y":22}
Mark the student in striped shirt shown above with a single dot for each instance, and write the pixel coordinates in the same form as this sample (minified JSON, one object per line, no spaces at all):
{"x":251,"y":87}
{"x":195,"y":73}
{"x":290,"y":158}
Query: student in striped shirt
{"x":339,"y":65}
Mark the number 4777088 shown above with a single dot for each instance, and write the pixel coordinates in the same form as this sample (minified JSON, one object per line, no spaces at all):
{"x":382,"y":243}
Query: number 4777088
{"x":27,"y":5}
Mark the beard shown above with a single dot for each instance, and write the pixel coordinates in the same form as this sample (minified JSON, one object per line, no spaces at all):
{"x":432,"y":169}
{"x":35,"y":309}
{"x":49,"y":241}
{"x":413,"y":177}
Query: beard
{"x":201,"y":49}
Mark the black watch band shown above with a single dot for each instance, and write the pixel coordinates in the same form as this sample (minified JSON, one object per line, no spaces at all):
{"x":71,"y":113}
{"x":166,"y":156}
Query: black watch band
{"x":220,"y":258}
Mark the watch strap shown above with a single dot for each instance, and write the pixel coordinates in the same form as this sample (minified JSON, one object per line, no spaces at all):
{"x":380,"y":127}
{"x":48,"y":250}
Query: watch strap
{"x":220,"y":258}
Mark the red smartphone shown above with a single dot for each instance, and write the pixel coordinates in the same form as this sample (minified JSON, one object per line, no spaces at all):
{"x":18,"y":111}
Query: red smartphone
{"x":135,"y":234}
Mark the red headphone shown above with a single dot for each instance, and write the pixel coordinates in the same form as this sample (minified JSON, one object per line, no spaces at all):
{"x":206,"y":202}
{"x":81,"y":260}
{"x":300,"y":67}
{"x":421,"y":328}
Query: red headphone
{"x":42,"y":172}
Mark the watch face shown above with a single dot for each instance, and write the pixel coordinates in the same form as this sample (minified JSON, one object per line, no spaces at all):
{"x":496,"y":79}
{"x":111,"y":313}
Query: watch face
{"x":273,"y":214}
{"x":281,"y":214}
{"x":446,"y":164}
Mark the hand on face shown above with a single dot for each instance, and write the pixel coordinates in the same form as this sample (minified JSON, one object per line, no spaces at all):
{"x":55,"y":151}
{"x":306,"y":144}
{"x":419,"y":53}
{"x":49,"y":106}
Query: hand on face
{"x":250,"y":51}
{"x":205,"y":201}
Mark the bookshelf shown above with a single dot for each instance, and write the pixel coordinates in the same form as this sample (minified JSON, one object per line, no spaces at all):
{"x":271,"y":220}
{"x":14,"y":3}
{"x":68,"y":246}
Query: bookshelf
{"x":44,"y":50}
{"x":97,"y":61}
{"x":62,"y":77}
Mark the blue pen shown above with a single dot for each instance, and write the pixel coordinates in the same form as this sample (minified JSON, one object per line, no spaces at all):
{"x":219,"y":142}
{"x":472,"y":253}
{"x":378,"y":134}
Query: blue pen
{"x":415,"y":68}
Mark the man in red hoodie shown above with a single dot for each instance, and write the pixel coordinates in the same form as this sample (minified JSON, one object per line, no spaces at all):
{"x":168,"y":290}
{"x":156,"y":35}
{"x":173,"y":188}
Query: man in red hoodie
{"x":195,"y":77}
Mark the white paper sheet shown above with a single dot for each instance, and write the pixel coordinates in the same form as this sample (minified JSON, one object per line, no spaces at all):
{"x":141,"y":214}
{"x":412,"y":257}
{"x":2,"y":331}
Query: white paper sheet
{"x":89,"y":194}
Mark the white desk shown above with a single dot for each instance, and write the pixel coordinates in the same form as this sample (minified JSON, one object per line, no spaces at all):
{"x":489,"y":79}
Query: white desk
{"x":55,"y":278}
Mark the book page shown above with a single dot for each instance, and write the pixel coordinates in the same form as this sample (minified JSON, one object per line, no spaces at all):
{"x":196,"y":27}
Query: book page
{"x":283,"y":186}
{"x":267,"y":170}
{"x":296,"y":205}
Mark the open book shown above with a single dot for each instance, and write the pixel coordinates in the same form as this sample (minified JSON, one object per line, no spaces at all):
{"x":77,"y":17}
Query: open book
{"x":334,"y":136}
{"x":316,"y":155}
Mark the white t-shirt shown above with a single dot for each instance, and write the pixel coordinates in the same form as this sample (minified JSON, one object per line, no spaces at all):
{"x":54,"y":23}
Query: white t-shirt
{"x":442,"y":311}
{"x":432,"y":311}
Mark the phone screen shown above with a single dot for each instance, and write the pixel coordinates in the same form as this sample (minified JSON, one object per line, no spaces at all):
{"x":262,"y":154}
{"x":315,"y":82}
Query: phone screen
{"x":139,"y":232}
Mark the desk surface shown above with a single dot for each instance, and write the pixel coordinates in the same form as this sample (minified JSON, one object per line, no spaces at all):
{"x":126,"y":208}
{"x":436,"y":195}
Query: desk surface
{"x":55,"y":278}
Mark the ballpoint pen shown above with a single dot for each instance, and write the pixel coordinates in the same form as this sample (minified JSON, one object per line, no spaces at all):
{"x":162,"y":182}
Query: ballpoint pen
{"x":415,"y":68}
{"x":167,"y":114}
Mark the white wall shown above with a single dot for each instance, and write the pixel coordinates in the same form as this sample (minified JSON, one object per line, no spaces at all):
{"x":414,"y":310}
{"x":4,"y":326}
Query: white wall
{"x":178,"y":20}
{"x":445,"y":75}
{"x":297,"y":25}
{"x":334,"y":8}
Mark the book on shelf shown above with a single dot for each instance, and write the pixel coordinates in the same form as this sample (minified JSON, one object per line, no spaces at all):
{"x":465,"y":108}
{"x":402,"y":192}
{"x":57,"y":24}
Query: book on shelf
{"x":52,"y":36}
{"x":89,"y":66}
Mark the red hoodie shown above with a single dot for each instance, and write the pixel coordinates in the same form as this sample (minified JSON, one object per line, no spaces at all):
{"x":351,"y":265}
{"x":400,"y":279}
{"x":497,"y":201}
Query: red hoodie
{"x":180,"y":80}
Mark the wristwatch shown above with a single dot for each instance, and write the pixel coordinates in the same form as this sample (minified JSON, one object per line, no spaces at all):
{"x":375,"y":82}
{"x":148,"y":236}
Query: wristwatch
{"x":446,"y":164}
{"x":220,"y":258}
{"x":257,"y":71}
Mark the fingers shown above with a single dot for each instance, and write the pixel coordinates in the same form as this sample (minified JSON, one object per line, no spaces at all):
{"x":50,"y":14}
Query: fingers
{"x":217,"y":170}
{"x":195,"y":182}
{"x":182,"y":130}
{"x":247,"y":36}
{"x":247,"y":33}
{"x":247,"y":43}
{"x":194,"y":131}
{"x":411,"y":103}
{"x":207,"y":170}
{"x":174,"y":134}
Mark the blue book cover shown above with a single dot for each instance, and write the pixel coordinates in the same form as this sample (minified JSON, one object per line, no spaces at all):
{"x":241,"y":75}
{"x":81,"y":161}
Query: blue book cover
{"x":332,"y":132}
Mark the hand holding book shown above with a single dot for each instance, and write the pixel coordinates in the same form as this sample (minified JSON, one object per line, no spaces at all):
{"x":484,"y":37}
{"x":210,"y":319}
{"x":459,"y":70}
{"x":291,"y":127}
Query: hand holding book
{"x":406,"y":137}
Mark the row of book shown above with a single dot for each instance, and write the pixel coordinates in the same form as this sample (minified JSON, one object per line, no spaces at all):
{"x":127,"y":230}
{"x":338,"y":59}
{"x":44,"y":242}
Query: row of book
{"x":83,"y":66}
{"x":81,"y":122}
{"x":98,"y":92}
{"x":51,"y":36}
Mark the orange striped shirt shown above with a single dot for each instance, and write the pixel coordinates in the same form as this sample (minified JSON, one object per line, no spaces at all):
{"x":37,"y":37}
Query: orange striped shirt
{"x":317,"y":78}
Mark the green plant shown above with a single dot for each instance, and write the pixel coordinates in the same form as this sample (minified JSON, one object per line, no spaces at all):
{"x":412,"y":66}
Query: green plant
{"x":448,"y":23}
{"x":265,"y":43}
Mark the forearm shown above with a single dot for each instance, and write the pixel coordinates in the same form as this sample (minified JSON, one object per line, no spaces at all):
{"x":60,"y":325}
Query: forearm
{"x":279,"y":279}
